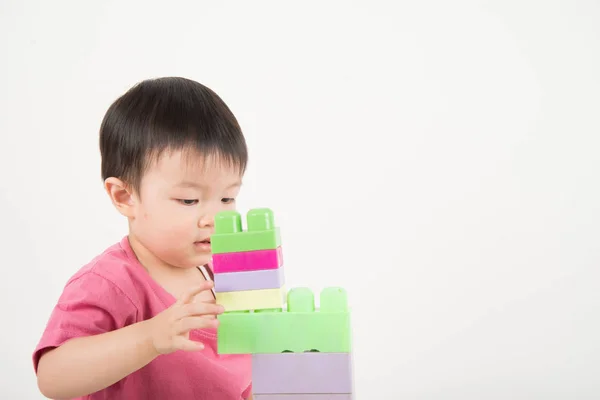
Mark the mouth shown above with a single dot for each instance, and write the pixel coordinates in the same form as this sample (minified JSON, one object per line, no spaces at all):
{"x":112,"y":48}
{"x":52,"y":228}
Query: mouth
{"x":203,"y":243}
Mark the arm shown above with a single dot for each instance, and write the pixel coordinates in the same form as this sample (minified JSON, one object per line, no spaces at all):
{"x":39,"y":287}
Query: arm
{"x":96,"y":361}
{"x":90,"y":363}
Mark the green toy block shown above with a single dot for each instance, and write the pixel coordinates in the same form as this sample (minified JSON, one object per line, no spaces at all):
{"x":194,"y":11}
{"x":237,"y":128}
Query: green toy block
{"x":228,"y":222}
{"x":260,"y":219}
{"x":261,"y":234}
{"x":299,"y":328}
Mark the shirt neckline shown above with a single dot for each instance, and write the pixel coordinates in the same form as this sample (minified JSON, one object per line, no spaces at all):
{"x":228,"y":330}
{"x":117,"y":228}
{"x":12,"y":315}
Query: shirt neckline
{"x":166,"y":298}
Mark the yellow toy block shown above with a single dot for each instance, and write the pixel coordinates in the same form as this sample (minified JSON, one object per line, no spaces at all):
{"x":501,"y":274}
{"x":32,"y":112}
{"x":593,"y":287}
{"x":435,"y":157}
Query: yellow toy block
{"x":252,"y":299}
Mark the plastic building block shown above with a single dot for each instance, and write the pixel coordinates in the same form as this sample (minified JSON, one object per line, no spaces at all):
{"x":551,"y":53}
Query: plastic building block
{"x":249,"y":280}
{"x":310,"y":396}
{"x":302,"y":373}
{"x":229,"y":237}
{"x":247,"y":260}
{"x":252,"y":299}
{"x":299,"y":328}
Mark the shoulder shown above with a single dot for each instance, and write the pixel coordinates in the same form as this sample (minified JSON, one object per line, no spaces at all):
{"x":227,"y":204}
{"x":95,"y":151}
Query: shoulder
{"x":98,"y":298}
{"x":110,"y":276}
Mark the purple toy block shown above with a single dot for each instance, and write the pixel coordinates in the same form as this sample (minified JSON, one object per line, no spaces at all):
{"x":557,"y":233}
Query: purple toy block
{"x":247,"y":260}
{"x":310,"y":372}
{"x":249,"y":280}
{"x":320,"y":396}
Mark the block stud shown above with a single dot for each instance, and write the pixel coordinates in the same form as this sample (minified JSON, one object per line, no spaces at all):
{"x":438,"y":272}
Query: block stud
{"x":228,"y":222}
{"x":301,"y":300}
{"x":333,"y":299}
{"x":260,"y":219}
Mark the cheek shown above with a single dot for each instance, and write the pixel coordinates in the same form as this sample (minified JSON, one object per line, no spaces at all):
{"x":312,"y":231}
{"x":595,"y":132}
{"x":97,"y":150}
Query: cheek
{"x":151,"y":214}
{"x":165,"y":220}
{"x":176,"y":219}
{"x":146,"y":213}
{"x":228,"y":207}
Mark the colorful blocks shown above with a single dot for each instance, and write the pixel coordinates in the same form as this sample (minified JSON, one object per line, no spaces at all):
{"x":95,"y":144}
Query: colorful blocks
{"x":251,"y":299}
{"x":248,"y":260}
{"x":248,"y":264}
{"x":302,"y":373}
{"x":229,"y":237}
{"x":299,"y":351}
{"x":249,"y":280}
{"x":299,"y":328}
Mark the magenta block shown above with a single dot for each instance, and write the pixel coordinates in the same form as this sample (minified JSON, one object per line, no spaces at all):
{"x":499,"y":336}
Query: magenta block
{"x":247,"y":260}
{"x":298,"y":396}
{"x":305,"y":373}
{"x":249,"y":280}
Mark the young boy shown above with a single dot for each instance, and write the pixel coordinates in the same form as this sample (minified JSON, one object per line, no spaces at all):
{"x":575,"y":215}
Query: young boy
{"x":139,"y":321}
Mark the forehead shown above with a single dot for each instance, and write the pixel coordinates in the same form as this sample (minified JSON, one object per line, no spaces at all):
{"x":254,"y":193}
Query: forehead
{"x":173,"y":167}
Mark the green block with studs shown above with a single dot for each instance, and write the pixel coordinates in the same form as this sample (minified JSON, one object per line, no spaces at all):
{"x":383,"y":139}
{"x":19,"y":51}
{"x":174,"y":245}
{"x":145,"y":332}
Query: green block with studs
{"x":261,"y":233}
{"x":299,"y":328}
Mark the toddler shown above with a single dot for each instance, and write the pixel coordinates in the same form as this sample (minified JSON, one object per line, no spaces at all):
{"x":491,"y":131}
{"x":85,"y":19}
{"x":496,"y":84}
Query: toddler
{"x":139,"y":320}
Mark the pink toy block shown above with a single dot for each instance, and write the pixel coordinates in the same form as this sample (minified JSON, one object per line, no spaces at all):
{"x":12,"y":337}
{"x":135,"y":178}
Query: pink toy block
{"x":247,"y":260}
{"x":310,"y":372}
{"x":249,"y":280}
{"x":319,"y":396}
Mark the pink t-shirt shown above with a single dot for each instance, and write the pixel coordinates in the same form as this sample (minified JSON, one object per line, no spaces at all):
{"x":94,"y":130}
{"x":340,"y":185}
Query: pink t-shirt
{"x":114,"y":291}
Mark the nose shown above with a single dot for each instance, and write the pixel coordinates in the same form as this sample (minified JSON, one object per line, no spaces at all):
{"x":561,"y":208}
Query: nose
{"x":207,"y":220}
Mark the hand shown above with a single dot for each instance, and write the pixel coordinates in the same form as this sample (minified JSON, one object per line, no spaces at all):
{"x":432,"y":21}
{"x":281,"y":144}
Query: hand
{"x":170,"y":329}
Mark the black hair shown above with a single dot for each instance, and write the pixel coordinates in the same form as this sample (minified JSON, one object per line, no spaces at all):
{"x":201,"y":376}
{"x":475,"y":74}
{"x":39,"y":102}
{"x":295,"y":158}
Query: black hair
{"x":170,"y":113}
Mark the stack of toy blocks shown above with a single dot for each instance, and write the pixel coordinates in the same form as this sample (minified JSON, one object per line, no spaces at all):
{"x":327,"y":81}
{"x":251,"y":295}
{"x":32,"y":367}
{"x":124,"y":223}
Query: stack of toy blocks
{"x":299,"y":351}
{"x":248,"y":265}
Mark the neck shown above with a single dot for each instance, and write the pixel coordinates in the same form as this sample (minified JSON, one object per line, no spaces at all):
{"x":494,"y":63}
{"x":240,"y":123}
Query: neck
{"x":151,"y":263}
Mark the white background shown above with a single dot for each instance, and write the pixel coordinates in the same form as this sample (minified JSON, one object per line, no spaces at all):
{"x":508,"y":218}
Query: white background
{"x":439,"y":160}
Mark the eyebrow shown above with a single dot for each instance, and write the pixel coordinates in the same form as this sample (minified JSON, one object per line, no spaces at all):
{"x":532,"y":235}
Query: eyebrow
{"x":186,"y":184}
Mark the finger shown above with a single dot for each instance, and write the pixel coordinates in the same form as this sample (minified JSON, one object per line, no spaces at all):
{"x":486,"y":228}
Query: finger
{"x":202,"y":308}
{"x":185,"y":325}
{"x":198,"y":309}
{"x":187,"y":344}
{"x":190,"y":294}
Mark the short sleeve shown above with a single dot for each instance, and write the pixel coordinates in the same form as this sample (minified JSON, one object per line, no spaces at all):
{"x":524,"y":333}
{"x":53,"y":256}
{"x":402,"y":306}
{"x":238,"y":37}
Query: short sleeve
{"x":89,"y":305}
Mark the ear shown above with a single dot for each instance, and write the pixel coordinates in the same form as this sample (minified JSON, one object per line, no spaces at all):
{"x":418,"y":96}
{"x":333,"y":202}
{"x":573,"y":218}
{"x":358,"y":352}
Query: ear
{"x":121,"y":196}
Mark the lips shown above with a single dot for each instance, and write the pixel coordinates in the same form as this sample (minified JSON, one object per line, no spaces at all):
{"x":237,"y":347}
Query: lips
{"x":203,"y":245}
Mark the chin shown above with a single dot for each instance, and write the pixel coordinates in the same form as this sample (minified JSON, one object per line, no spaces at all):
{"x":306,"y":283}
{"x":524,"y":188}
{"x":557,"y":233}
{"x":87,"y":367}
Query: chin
{"x":200,"y":260}
{"x":184,"y":258}
{"x":192,"y":261}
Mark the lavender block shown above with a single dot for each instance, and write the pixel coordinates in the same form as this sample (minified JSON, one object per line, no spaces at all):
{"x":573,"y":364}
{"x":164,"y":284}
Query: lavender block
{"x":320,"y":396}
{"x":288,"y":373}
{"x":249,"y":280}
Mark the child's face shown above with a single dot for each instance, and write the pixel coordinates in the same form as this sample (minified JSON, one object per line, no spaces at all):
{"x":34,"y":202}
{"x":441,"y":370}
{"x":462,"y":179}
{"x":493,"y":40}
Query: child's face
{"x":178,"y":199}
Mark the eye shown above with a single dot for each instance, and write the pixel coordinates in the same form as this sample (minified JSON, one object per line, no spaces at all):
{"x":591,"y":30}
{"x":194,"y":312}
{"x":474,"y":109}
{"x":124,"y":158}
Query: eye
{"x":227,"y":200}
{"x":187,"y":202}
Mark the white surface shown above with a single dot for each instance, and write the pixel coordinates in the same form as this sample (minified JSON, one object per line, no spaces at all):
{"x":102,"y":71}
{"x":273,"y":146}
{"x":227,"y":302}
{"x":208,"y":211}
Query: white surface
{"x":438,"y":160}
